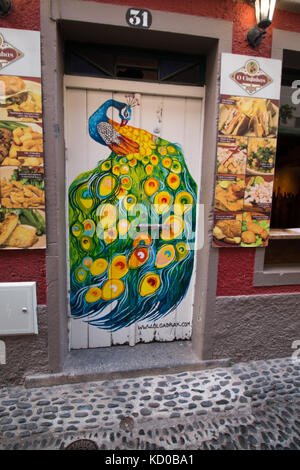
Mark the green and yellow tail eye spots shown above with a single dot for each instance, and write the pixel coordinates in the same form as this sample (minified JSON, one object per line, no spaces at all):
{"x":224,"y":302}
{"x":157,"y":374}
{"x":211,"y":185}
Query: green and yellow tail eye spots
{"x":154,"y":160}
{"x":149,"y":169}
{"x":121,"y":193}
{"x":183,"y":202}
{"x":106,"y":185}
{"x":76,"y":230}
{"x":166,"y":162}
{"x":165,"y":256}
{"x":84,"y":198}
{"x":93,"y":294}
{"x":173,"y":181}
{"x":123,"y":227}
{"x":124,"y":169}
{"x":176,"y":166}
{"x":110,"y":235}
{"x":133,"y":162}
{"x":151,"y":186}
{"x":125,"y":182}
{"x":129,"y":201}
{"x":108,"y":215}
{"x":174,"y":227}
{"x":86,"y":243}
{"x":143,"y":239}
{"x":118,"y":267}
{"x":112,"y":289}
{"x":171,"y":150}
{"x":162,"y":202}
{"x":163,"y":151}
{"x":138,"y":257}
{"x":149,"y":284}
{"x":99,"y":266}
{"x":80,"y":274}
{"x":106,"y":166}
{"x":89,"y":227}
{"x":116,"y":170}
{"x":87,"y":262}
{"x":145,"y":160}
{"x":182,"y":250}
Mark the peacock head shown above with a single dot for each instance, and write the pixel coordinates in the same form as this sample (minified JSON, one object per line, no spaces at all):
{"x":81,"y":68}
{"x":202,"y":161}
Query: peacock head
{"x":125,"y":115}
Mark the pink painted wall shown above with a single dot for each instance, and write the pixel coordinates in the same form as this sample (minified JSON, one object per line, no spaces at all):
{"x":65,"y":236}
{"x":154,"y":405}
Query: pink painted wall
{"x":236,"y":266}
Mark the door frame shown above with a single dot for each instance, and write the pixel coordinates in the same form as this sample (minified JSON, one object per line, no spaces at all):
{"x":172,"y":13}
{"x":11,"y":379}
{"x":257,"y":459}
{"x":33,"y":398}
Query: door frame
{"x":145,"y":88}
{"x":213,"y":36}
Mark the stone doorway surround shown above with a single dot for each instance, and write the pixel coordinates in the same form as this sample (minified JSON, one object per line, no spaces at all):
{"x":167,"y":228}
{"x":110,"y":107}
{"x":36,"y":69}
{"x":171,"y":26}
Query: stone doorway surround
{"x":95,"y":21}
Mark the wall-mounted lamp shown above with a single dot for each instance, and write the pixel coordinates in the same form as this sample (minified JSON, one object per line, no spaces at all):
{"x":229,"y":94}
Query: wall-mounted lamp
{"x":5,"y":7}
{"x":264,"y":10}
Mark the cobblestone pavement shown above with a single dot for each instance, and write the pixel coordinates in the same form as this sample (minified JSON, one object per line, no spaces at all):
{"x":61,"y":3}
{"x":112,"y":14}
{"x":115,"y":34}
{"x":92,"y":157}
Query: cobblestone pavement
{"x":252,"y":405}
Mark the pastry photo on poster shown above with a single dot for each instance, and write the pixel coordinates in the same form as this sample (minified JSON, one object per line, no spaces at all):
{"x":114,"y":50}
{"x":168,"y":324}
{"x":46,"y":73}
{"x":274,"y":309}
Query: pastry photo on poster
{"x":246,"y":150}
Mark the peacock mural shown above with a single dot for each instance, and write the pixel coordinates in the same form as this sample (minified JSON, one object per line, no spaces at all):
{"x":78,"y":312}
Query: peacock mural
{"x":132,"y":222}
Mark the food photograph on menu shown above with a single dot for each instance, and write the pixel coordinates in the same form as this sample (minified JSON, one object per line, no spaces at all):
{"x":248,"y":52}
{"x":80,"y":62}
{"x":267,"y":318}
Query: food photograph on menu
{"x":250,"y":117}
{"x":232,"y":155}
{"x":22,"y":187}
{"x":258,"y":194}
{"x":229,"y":194}
{"x":255,"y":230}
{"x":21,"y":144}
{"x":227,"y":230}
{"x":22,"y":228}
{"x":261,"y":156}
{"x":20,"y":98}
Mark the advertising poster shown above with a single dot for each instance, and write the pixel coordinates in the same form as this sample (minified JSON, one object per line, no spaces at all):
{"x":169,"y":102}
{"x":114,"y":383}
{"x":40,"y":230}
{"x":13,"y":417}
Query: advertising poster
{"x":22,"y":187}
{"x":246,"y":150}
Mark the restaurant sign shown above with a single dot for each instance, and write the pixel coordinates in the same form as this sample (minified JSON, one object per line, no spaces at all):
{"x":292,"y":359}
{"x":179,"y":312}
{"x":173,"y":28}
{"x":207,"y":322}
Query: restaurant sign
{"x":8,"y":53}
{"x":22,"y":194}
{"x":247,"y":138}
{"x":251,"y":77}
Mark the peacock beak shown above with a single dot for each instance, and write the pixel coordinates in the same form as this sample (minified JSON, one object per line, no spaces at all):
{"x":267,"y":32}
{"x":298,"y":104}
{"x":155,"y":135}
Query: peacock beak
{"x":123,"y":122}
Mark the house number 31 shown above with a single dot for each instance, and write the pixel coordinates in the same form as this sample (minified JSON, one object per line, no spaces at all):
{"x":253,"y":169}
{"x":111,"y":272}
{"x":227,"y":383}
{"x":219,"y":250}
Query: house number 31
{"x":139,"y":18}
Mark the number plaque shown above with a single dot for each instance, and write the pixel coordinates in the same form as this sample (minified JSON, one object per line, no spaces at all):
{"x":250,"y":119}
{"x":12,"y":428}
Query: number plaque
{"x":139,"y":18}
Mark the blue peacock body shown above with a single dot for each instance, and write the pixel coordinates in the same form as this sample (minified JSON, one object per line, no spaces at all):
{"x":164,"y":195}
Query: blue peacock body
{"x":132,"y":222}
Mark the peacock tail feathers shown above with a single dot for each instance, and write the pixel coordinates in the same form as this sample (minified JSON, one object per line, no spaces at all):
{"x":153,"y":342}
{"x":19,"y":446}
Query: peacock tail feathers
{"x":121,"y":269}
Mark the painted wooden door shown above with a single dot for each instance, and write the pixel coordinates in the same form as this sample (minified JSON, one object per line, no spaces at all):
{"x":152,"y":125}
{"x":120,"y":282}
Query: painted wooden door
{"x":132,"y":267}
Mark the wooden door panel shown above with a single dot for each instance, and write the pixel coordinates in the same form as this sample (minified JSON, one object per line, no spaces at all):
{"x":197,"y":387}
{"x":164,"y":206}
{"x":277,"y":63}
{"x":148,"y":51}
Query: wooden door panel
{"x":176,"y":120}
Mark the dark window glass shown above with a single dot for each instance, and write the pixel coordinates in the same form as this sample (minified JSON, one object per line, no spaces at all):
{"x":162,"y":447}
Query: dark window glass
{"x":136,"y":64}
{"x":80,"y":66}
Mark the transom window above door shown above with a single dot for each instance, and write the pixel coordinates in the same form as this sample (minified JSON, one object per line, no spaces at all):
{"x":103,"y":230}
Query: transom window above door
{"x":105,"y":61}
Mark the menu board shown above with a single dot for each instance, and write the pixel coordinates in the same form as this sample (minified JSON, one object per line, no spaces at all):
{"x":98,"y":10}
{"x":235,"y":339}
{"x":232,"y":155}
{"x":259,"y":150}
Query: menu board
{"x":246,"y":149}
{"x":22,"y":186}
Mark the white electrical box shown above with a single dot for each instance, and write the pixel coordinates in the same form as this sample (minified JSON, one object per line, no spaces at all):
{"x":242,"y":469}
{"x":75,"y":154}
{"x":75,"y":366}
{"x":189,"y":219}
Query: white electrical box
{"x":18,"y":308}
